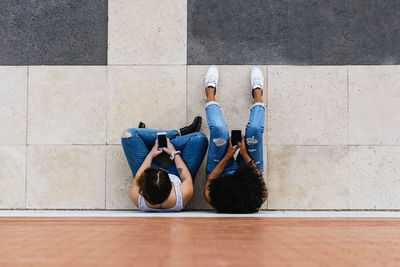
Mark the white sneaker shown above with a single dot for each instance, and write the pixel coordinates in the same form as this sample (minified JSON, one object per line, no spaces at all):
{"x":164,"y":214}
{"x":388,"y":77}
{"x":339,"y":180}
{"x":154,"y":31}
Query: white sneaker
{"x":211,"y":78}
{"x":256,"y":79}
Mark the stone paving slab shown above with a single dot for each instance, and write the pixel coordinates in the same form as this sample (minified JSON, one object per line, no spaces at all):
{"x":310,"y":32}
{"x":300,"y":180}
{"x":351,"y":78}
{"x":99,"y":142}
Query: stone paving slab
{"x":374,"y":177}
{"x":65,"y":177}
{"x":374,"y":101}
{"x":12,"y":176}
{"x":147,"y":32}
{"x":300,"y":32}
{"x":67,"y":104}
{"x":52,"y":32}
{"x":13,"y":105}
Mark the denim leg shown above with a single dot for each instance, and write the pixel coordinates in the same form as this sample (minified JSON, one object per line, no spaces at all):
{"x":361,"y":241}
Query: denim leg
{"x":136,"y":147}
{"x":219,"y":136}
{"x":254,"y":135}
{"x":193,"y":148}
{"x":149,"y":136}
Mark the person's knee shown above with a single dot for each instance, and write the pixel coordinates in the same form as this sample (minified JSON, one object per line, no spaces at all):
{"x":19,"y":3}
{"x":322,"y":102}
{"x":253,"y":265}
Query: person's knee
{"x":254,"y":135}
{"x":254,"y":130}
{"x":126,"y":134}
{"x":220,"y":129}
{"x":199,"y":136}
{"x":202,"y":139}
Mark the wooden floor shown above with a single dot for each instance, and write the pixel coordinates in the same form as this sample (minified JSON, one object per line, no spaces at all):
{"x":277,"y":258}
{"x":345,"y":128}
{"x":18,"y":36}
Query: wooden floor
{"x":199,"y":242}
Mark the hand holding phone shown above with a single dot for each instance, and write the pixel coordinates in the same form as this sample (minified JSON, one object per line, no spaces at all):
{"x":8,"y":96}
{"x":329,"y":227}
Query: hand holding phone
{"x":162,"y":139}
{"x":236,"y":137}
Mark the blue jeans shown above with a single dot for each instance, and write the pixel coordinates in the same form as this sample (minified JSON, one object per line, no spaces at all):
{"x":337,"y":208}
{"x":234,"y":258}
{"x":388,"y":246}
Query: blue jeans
{"x":193,"y":148}
{"x":219,"y":138}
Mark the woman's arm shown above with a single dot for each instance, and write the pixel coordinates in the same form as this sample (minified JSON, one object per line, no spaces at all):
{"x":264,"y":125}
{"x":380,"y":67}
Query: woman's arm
{"x":135,"y":191}
{"x":218,"y":169}
{"x":187,"y":182}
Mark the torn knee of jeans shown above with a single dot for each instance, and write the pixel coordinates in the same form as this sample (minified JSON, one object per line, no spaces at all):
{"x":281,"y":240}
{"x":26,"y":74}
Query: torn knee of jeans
{"x":126,"y":134}
{"x":251,"y":141}
{"x":251,"y":150}
{"x":216,"y":160}
{"x":219,"y":141}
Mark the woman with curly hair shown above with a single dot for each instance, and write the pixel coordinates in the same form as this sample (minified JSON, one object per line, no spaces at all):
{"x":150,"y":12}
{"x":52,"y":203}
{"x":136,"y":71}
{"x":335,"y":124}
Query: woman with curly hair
{"x":235,"y":185}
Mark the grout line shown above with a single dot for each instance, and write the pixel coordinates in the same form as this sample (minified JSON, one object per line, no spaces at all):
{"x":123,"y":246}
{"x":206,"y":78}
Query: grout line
{"x":348,"y":176}
{"x":186,"y":95}
{"x":68,"y":144}
{"x":26,"y":134}
{"x":272,"y":145}
{"x":145,"y":65}
{"x":105,"y":177}
{"x":266,"y":90}
{"x":187,"y":39}
{"x":199,"y":210}
{"x":107,"y":105}
{"x":105,"y":147}
{"x":344,"y":145}
{"x":348,"y":139}
{"x":40,"y":214}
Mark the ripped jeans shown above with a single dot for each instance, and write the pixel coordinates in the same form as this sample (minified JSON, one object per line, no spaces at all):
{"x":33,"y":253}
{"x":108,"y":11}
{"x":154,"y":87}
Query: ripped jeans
{"x":219,"y":138}
{"x":192,"y":146}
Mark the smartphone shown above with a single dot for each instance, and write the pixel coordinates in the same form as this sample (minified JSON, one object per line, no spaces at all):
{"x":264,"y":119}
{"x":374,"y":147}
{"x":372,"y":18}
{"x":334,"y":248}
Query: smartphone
{"x":162,"y":139}
{"x":236,"y":137}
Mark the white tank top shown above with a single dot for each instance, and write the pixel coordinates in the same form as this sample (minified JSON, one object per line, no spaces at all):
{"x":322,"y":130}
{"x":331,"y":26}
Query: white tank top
{"x":179,"y":202}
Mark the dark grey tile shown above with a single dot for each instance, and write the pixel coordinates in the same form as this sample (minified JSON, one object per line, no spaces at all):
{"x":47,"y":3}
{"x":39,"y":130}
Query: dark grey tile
{"x":53,"y":32}
{"x":299,"y":32}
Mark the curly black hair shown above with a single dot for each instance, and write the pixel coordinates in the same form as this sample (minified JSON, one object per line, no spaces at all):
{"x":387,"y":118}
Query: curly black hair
{"x":240,"y":192}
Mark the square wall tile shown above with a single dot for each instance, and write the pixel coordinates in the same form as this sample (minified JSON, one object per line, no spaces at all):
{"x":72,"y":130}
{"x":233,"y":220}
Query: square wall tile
{"x":374,"y":177}
{"x":119,"y":179}
{"x":152,"y":94}
{"x":307,"y":105}
{"x":147,"y":32}
{"x":67,"y":105}
{"x":66,"y":177}
{"x":13,"y":102}
{"x":374,"y":105}
{"x":233,"y":94}
{"x":12,"y":177}
{"x":308,"y":177}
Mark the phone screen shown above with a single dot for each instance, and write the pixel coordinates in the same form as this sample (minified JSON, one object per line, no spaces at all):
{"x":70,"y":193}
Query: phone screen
{"x":236,"y":137}
{"x":162,"y":139}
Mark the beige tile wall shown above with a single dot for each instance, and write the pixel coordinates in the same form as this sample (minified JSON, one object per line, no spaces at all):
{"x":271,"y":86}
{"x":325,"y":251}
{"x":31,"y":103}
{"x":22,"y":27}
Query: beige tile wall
{"x":331,"y":137}
{"x":320,"y":151}
{"x":67,"y":105}
{"x":153,"y":94}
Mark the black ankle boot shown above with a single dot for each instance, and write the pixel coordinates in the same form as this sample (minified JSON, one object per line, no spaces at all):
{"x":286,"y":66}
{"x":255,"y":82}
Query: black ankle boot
{"x":142,"y":125}
{"x":194,"y":127}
